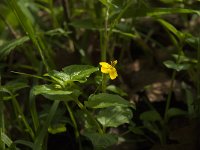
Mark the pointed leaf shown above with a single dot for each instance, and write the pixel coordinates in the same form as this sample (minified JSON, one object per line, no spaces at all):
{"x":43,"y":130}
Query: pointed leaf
{"x":54,"y":93}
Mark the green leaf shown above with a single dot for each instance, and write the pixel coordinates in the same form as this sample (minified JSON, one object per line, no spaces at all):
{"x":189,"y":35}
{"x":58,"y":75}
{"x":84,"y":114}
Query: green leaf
{"x":171,"y":28}
{"x":7,"y":48}
{"x":23,"y":142}
{"x":114,"y":116}
{"x":79,"y":73}
{"x":101,"y":141}
{"x":178,"y":67}
{"x":16,"y":85}
{"x":104,"y":100}
{"x":137,"y":130}
{"x":83,"y":118}
{"x":108,"y":3}
{"x":184,"y":59}
{"x":150,"y":115}
{"x":58,"y":128}
{"x":54,"y":93}
{"x":116,"y":90}
{"x":60,"y":77}
{"x":6,"y":139}
{"x":165,"y":11}
{"x":172,"y":112}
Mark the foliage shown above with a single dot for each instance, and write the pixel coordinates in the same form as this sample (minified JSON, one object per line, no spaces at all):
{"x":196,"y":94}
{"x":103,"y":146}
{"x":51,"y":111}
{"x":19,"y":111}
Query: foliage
{"x":50,"y":78}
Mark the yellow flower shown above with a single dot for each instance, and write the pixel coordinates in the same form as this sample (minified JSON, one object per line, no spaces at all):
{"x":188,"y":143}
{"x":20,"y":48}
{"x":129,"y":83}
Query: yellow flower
{"x":109,"y":69}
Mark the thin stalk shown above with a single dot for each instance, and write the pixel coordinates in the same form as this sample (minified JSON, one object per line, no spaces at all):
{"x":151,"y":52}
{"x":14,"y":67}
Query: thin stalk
{"x":119,"y":16}
{"x":169,"y":95}
{"x":28,"y":28}
{"x":33,"y":111}
{"x":83,"y":108}
{"x":75,"y":124}
{"x":104,"y":47}
{"x":2,"y":124}
{"x":198,"y":77}
{"x":105,"y":38}
{"x":104,"y":83}
{"x":21,"y":115}
{"x":55,"y":22}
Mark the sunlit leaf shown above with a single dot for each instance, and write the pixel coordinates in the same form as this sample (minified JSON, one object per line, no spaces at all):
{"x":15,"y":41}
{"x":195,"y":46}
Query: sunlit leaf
{"x":104,"y":100}
{"x":79,"y":73}
{"x":54,"y":93}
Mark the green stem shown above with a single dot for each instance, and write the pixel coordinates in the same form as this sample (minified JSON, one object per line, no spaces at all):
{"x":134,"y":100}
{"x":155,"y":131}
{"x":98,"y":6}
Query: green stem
{"x":198,"y":78}
{"x":82,"y":107}
{"x":169,"y":95}
{"x":2,"y":124}
{"x":33,"y":111}
{"x":104,"y":82}
{"x":21,"y":115}
{"x":105,"y":38}
{"x":55,"y":23}
{"x":75,"y":124}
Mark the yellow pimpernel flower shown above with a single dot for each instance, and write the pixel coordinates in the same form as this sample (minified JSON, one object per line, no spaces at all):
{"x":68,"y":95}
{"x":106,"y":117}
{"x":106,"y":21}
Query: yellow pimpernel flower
{"x":109,"y":69}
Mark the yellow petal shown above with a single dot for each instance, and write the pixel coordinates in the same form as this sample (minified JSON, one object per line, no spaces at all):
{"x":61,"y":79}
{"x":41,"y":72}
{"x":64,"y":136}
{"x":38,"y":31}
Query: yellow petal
{"x":105,"y":70}
{"x":105,"y":65}
{"x":113,"y":73}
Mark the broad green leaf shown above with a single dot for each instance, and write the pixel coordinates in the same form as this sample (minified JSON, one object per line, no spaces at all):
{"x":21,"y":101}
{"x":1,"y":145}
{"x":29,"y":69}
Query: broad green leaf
{"x":72,"y":73}
{"x":53,"y":93}
{"x":79,"y":73}
{"x":173,"y":112}
{"x":7,"y":48}
{"x":60,"y":77}
{"x":101,"y":141}
{"x":104,"y":100}
{"x":178,"y":67}
{"x":150,"y":115}
{"x":114,"y":116}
